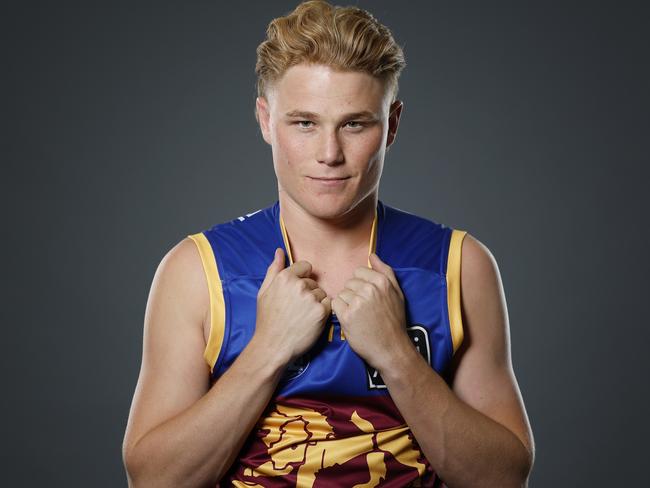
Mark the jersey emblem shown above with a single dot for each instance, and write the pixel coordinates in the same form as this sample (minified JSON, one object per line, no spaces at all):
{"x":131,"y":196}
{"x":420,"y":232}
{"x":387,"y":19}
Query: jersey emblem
{"x":302,"y":439}
{"x":420,"y":340}
{"x":296,"y":367}
{"x":242,"y":218}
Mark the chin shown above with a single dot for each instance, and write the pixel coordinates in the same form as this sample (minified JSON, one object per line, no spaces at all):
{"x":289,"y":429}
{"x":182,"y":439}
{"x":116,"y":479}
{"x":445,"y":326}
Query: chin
{"x":329,"y":206}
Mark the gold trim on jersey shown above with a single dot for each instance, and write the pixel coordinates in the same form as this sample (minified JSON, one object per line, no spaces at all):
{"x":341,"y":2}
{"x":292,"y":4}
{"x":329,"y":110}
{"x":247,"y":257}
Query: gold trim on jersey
{"x":217,"y":304}
{"x":453,"y":287}
{"x":330,"y":334}
{"x":286,"y":240}
{"x":372,"y":246}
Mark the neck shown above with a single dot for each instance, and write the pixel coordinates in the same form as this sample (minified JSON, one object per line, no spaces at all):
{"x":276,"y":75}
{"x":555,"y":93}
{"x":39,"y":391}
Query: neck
{"x":312,"y":236}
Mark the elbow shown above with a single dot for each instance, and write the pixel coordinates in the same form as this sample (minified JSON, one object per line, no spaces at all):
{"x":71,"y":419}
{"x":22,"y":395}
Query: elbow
{"x":518,"y":472}
{"x":529,"y":465}
{"x":525,"y":464}
{"x":145,"y":469}
{"x":140,"y":469}
{"x":132,"y":466}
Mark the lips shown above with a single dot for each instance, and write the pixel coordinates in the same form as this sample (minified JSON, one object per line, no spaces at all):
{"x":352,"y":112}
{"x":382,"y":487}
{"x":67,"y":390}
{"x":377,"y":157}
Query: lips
{"x":327,"y":178}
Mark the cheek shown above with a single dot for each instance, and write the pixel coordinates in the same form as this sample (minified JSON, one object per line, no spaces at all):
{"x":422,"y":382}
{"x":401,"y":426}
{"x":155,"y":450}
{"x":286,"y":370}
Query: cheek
{"x":291,"y":149}
{"x":368,"y":146}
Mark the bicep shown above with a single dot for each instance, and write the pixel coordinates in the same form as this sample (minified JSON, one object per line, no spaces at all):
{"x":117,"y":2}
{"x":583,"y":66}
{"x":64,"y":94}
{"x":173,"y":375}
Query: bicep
{"x":482,"y":375}
{"x":173,"y":373}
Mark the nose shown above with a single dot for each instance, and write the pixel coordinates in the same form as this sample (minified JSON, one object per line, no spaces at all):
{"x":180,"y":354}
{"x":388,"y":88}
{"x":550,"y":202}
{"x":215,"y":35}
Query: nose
{"x":330,"y":151}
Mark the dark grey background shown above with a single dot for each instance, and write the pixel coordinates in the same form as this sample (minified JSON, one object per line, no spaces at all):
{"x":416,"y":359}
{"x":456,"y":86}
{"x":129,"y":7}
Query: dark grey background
{"x":129,"y":126}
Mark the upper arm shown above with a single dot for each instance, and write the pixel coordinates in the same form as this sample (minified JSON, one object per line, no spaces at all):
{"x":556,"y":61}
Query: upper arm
{"x":481,"y":372}
{"x":173,"y":373}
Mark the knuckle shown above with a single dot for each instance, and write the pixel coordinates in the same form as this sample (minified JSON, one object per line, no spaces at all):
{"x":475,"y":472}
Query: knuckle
{"x":301,"y":285}
{"x":371,"y":290}
{"x":303,"y":264}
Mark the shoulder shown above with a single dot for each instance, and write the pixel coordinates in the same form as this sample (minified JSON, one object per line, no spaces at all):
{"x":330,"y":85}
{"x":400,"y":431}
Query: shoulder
{"x":180,"y":277}
{"x":182,"y":261}
{"x":479,"y":266}
{"x":485,"y":316}
{"x":481,"y":374}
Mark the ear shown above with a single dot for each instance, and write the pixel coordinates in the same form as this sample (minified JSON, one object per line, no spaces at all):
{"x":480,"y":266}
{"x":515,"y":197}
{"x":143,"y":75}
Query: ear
{"x":263,"y":117}
{"x":393,"y":121}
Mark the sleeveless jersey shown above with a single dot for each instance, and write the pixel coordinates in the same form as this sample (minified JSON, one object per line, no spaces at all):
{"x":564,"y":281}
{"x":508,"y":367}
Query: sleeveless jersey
{"x":331,"y":421}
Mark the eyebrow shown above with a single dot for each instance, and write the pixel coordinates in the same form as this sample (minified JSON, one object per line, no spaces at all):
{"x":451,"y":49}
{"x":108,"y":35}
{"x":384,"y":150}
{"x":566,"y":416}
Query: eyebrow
{"x":364,"y":114}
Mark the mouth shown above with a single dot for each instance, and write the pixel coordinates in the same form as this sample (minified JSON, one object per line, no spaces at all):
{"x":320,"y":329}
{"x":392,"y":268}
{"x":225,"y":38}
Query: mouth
{"x":328,"y":182}
{"x":327,"y":178}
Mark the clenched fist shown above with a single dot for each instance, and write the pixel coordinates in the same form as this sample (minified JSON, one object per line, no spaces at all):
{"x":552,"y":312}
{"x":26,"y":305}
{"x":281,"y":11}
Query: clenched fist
{"x":291,"y":309}
{"x":370,"y":309}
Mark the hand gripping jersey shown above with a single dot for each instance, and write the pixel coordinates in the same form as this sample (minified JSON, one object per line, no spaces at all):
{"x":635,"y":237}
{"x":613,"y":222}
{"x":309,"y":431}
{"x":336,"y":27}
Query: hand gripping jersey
{"x":331,"y":421}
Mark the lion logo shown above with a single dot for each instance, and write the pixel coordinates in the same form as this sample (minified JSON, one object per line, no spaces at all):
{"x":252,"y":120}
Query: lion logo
{"x":302,"y":436}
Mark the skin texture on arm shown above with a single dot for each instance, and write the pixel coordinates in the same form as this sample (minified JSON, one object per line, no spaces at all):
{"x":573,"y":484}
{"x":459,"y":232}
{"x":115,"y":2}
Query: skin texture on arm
{"x":481,"y":372}
{"x":180,"y":431}
{"x":475,"y":434}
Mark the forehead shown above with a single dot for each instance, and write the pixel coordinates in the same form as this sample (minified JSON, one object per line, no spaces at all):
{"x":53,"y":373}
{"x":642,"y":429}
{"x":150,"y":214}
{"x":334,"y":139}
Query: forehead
{"x":322,"y":89}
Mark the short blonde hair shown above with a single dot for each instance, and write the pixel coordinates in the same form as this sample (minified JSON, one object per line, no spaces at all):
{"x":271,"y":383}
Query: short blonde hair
{"x":345,"y":38}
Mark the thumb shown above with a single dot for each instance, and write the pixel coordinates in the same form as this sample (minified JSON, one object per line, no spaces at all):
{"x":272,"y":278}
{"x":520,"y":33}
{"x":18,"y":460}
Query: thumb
{"x":274,"y":268}
{"x":327,"y":301}
{"x":378,"y":265}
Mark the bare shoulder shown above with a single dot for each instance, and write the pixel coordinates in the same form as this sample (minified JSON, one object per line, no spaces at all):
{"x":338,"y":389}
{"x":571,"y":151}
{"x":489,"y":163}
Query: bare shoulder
{"x":481,"y":373}
{"x":484,"y":313}
{"x":173,"y":373}
{"x":478,"y":266}
{"x":181,"y":271}
{"x":483,"y":300}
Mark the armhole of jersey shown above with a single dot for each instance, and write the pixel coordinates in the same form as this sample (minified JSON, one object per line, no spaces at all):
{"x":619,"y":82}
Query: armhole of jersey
{"x":217,"y":305}
{"x":453,"y":287}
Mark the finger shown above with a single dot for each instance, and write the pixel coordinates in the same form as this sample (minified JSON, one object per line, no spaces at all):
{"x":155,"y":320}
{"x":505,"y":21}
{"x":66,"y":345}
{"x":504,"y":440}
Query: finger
{"x":357,"y":285}
{"x":319,"y":294}
{"x":274,"y":268}
{"x":387,"y":270}
{"x":311,"y":284}
{"x":382,"y":267}
{"x":346,"y":295}
{"x":302,"y":269}
{"x":327,"y":302}
{"x":369,"y":275}
{"x":379,"y":268}
{"x":339,"y":307}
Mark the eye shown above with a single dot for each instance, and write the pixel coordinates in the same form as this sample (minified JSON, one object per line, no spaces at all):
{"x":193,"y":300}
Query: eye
{"x":357,"y":125}
{"x":301,"y":122}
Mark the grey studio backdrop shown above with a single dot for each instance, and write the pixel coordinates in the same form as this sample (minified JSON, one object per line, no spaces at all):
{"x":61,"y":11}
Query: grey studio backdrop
{"x":128,"y":126}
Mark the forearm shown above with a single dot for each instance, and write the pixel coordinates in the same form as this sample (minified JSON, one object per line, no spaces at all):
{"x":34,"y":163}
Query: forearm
{"x":465,"y":447}
{"x":196,"y":447}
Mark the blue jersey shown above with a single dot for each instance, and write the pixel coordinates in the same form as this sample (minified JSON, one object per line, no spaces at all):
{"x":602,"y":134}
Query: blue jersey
{"x":331,"y":421}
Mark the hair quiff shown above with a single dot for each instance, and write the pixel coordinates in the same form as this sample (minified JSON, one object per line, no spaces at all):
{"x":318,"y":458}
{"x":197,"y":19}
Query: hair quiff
{"x":345,"y":38}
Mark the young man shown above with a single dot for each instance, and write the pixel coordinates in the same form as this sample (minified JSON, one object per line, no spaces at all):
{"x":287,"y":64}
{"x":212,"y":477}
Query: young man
{"x":345,"y":344}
